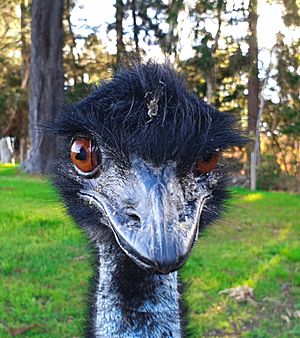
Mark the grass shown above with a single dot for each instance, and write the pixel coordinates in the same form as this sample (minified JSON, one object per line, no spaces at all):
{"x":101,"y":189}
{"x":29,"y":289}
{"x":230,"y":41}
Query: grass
{"x":44,"y":266}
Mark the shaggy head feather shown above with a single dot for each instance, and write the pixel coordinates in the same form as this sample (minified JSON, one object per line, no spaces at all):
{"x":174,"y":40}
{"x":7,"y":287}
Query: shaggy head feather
{"x":145,"y":111}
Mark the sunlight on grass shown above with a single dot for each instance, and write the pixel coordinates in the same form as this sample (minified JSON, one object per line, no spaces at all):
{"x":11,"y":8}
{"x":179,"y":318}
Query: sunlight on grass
{"x":219,"y":307}
{"x":258,"y":249}
{"x":253,"y":197}
{"x":45,"y":277}
{"x":263,"y":268}
{"x":284,"y":232}
{"x":273,"y":262}
{"x":5,"y":165}
{"x":8,"y":169}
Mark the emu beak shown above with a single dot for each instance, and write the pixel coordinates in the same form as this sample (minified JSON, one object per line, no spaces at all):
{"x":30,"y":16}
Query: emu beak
{"x":160,"y":242}
{"x":160,"y":229}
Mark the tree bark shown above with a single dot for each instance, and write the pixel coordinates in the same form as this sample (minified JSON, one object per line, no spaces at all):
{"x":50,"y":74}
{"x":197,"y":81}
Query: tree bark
{"x":135,"y":28}
{"x":23,"y":149}
{"x":119,"y":28}
{"x":25,"y":50}
{"x":25,"y":70}
{"x":46,"y":81}
{"x":209,"y":87}
{"x":253,"y":86}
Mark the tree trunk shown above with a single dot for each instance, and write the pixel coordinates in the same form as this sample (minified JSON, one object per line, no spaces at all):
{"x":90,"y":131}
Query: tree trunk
{"x":211,"y":75}
{"x":46,"y":81}
{"x":25,"y":70}
{"x":209,"y":88}
{"x":76,"y":59}
{"x":135,"y":28}
{"x":119,"y":28}
{"x":171,"y":47}
{"x":253,"y":85}
{"x":6,"y":150}
{"x":25,"y":50}
{"x":23,"y":149}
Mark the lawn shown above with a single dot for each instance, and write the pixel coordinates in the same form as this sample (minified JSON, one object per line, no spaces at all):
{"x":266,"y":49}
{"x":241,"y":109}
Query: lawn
{"x":44,"y":266}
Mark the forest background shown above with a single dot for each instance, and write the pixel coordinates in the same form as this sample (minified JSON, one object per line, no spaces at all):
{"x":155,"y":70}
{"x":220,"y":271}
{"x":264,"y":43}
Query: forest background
{"x":51,"y":47}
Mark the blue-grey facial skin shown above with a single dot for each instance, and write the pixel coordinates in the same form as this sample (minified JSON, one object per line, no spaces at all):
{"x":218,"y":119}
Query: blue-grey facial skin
{"x":153,"y":214}
{"x":154,"y":218}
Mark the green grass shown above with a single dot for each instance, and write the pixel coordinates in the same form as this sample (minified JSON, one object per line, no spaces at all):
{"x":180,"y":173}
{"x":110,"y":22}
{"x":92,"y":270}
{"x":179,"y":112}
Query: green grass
{"x":44,"y":266}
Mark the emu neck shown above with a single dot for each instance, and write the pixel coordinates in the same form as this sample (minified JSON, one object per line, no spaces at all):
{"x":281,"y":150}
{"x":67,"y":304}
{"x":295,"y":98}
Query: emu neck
{"x":130,"y":302}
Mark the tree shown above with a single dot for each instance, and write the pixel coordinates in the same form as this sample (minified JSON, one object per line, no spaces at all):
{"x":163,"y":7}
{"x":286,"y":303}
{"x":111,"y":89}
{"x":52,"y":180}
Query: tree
{"x":218,"y":66}
{"x":25,"y":51}
{"x":72,"y":59}
{"x":95,"y":66}
{"x":135,"y":27}
{"x":46,"y":80}
{"x":119,"y":31}
{"x":281,"y":119}
{"x":253,"y":88}
{"x":14,"y":62}
{"x":283,"y":124}
{"x":206,"y":48}
{"x":147,"y":20}
{"x":86,"y":62}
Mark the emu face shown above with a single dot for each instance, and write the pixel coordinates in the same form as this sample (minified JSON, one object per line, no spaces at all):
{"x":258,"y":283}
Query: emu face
{"x":140,"y":159}
{"x":153,"y":213}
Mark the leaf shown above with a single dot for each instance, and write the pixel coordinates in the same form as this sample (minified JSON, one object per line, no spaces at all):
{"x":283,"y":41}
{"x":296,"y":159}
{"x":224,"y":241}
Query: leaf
{"x":240,"y":293}
{"x":16,"y":332}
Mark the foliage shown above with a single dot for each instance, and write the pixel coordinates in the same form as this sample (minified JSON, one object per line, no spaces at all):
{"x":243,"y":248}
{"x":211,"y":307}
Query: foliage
{"x":13,"y":98}
{"x":218,"y":69}
{"x":292,"y":13}
{"x":45,"y":268}
{"x":95,"y":65}
{"x":288,"y":78}
{"x":281,"y":119}
{"x":152,"y":22}
{"x":269,"y":173}
{"x":83,"y":66}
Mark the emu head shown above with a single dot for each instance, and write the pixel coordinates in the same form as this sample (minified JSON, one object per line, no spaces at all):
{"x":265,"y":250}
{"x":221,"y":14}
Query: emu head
{"x":141,"y":164}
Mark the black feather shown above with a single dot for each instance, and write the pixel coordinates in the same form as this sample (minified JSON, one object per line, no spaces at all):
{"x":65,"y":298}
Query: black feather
{"x":147,"y":111}
{"x":119,"y":115}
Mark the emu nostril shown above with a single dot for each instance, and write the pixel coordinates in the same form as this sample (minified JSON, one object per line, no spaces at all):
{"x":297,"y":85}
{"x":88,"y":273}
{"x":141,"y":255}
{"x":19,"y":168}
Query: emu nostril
{"x":132,"y":215}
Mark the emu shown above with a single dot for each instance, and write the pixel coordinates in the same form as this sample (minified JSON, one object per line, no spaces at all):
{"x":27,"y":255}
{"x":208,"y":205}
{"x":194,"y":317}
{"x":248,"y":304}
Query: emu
{"x":140,"y":170}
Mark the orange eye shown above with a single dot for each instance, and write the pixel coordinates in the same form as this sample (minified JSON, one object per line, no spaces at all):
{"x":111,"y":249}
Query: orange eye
{"x":208,"y":163}
{"x":84,"y":155}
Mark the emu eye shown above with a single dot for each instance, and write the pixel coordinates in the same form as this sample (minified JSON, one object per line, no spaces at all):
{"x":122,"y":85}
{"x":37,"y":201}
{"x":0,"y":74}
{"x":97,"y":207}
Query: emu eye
{"x":207,"y":163}
{"x":85,"y":156}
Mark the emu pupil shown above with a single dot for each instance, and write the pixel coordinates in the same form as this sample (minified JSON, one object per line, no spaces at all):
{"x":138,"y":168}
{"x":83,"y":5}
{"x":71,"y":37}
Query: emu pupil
{"x":82,"y":155}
